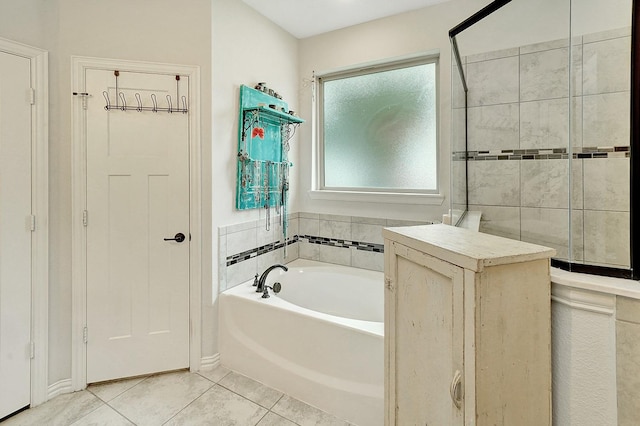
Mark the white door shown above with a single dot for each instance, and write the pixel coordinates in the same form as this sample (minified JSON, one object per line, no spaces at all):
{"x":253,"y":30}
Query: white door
{"x":137,"y":196}
{"x":15,"y":233}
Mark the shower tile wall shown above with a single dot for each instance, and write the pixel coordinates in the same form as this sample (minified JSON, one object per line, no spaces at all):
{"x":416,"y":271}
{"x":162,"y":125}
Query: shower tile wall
{"x":248,"y":248}
{"x":519,"y":131}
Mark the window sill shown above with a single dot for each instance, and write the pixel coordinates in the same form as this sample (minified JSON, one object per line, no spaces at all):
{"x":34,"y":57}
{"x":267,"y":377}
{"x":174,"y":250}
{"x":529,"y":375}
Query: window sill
{"x":378,"y":197}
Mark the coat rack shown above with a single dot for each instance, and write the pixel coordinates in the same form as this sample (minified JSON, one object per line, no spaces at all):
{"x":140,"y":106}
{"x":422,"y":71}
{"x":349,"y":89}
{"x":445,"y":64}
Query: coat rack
{"x":121,"y":101}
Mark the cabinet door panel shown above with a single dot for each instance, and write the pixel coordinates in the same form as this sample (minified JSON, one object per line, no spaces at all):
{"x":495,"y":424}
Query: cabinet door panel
{"x":428,"y":337}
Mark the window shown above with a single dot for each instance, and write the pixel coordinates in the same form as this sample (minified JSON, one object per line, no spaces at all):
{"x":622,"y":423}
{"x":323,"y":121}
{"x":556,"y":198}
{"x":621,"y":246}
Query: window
{"x":378,"y":128}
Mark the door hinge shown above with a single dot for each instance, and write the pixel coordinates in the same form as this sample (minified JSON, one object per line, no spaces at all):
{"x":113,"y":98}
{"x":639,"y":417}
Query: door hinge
{"x":85,"y":217}
{"x":32,"y":96}
{"x":32,"y":223}
{"x":388,"y":284}
{"x":85,"y":335}
{"x":32,"y":350}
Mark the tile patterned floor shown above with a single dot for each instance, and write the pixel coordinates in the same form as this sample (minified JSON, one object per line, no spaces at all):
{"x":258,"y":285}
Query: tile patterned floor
{"x":218,"y":397}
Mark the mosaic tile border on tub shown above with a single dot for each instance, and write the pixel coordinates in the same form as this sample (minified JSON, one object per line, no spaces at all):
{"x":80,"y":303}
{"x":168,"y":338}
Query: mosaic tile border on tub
{"x":545,"y":154}
{"x":257,"y":251}
{"x":333,"y":242}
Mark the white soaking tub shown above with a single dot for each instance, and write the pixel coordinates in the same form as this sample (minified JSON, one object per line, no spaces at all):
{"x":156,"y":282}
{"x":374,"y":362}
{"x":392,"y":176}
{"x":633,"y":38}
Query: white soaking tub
{"x":319,"y":340}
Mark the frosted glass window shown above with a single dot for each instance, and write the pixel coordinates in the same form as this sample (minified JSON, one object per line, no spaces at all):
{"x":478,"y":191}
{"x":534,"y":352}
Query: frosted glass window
{"x":380,"y":130}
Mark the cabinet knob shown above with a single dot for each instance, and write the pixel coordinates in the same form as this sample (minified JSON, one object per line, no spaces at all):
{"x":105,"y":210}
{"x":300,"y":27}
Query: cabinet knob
{"x":455,"y":389}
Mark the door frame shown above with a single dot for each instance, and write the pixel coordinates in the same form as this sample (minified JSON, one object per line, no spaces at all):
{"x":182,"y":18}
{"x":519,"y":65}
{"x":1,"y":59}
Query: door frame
{"x":79,"y":202}
{"x":39,"y":60}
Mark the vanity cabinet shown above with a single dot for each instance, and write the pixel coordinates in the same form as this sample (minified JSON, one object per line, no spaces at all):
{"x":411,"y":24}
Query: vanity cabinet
{"x":467,"y":329}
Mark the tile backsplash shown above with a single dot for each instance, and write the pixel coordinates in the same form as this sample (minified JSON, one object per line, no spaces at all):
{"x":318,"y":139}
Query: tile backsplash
{"x":548,"y":154}
{"x":248,"y":248}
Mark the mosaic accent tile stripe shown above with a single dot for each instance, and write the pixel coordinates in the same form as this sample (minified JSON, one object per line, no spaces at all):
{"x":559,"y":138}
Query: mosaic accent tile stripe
{"x":333,"y":242}
{"x":544,"y":154}
{"x":257,"y":251}
{"x":378,"y":248}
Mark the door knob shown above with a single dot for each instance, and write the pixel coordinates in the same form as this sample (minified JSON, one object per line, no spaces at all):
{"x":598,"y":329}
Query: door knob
{"x":179,"y":237}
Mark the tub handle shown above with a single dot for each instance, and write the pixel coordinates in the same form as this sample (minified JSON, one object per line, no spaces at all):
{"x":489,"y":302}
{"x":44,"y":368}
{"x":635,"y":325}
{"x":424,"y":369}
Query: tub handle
{"x":276,"y":287}
{"x":455,"y":390}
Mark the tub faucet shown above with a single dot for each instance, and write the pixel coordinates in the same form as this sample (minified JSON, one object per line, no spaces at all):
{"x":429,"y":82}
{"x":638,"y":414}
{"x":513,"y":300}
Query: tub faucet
{"x":263,"y":277}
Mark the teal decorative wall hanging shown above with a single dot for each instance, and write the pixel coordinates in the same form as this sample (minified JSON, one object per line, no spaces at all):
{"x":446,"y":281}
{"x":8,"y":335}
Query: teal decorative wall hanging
{"x":265,"y":127}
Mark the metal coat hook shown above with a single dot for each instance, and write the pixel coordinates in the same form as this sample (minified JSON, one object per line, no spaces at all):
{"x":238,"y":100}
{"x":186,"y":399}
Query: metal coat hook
{"x":169,"y":103}
{"x":106,"y":98}
{"x":139,"y":101}
{"x":155,"y":102}
{"x":124,"y":101}
{"x":184,"y":105}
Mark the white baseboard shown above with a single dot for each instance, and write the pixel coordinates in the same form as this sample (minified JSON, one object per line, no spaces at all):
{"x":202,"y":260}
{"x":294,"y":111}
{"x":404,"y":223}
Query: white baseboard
{"x":209,"y":362}
{"x":58,"y":388}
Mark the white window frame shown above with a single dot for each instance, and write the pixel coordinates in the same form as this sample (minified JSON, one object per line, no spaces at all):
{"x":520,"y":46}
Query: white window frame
{"x":318,"y":190}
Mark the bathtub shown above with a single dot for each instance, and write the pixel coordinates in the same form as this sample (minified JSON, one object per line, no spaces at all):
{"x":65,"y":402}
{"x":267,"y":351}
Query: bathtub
{"x":319,"y":340}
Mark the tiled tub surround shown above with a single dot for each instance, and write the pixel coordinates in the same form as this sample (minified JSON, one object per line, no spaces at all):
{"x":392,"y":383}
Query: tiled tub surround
{"x":246,"y":249}
{"x":549,"y":145}
{"x":362,"y":237}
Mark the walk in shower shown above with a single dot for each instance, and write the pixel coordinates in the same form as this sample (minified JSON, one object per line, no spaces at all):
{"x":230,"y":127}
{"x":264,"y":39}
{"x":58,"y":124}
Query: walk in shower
{"x":541,"y":127}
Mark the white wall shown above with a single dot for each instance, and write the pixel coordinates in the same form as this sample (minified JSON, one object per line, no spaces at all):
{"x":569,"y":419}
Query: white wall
{"x":403,"y":34}
{"x":247,"y":49}
{"x":521,"y":23}
{"x":144,"y":30}
{"x":23,"y":21}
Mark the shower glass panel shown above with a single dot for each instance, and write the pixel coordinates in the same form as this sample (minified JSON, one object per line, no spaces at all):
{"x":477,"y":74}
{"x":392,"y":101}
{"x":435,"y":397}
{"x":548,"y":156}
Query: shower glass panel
{"x":540,"y":139}
{"x":459,"y":201}
{"x":600,"y":121}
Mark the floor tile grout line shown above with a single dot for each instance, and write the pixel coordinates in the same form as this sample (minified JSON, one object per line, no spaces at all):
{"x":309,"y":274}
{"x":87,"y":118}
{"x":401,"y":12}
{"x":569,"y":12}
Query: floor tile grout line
{"x":103,"y":404}
{"x":147,"y":377}
{"x":253,"y":402}
{"x":262,"y":418}
{"x":122,"y":414}
{"x":89,"y":412}
{"x":107,"y":403}
{"x":213,"y":381}
{"x":269,"y":410}
{"x":115,"y":381}
{"x":190,"y":402}
{"x":236,"y":393}
{"x":276,"y":403}
{"x":280,"y":415}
